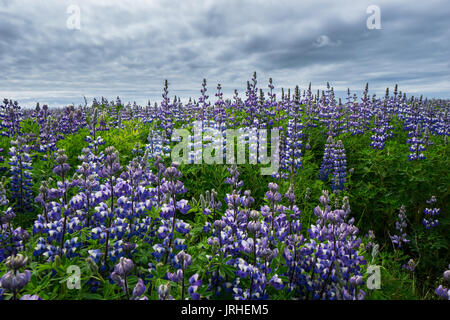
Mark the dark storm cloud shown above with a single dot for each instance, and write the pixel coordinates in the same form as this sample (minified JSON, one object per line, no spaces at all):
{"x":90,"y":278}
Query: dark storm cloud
{"x":128,"y":48}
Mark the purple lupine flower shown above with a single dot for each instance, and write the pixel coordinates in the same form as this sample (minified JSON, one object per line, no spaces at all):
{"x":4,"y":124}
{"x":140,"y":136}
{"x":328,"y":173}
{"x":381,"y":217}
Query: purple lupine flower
{"x":21,"y":177}
{"x":276,"y":282}
{"x":124,"y":267}
{"x":183,"y":259}
{"x":15,"y":281}
{"x":139,"y":289}
{"x":233,"y":180}
{"x":431,"y":214}
{"x":340,"y":167}
{"x":400,"y":226}
{"x":164,"y":292}
{"x":418,"y":144}
{"x":121,"y":271}
{"x":30,"y":297}
{"x":328,"y":161}
{"x":194,"y":283}
{"x":410,"y":266}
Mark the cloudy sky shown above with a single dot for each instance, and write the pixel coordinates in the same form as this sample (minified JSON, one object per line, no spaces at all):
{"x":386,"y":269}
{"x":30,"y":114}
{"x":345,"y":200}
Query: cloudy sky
{"x":128,"y":48}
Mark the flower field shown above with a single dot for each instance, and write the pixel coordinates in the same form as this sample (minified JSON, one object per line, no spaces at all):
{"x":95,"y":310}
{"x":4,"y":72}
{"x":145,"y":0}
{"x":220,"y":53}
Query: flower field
{"x":93,"y":204}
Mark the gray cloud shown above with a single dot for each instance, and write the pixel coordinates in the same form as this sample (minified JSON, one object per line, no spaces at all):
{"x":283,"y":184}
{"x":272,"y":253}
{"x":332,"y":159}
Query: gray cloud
{"x":128,"y":48}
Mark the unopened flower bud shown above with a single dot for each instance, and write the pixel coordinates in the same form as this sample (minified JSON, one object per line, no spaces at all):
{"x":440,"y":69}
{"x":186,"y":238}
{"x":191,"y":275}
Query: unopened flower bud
{"x":92,"y":265}
{"x":57,"y":260}
{"x":163,"y":291}
{"x":124,"y":267}
{"x":16,"y":262}
{"x":447,"y":276}
{"x":254,"y":214}
{"x":15,"y":282}
{"x":254,"y":226}
{"x":307,"y":194}
{"x":356,"y":280}
{"x":139,"y":289}
{"x":219,"y":224}
{"x":324,"y":198}
{"x":273,"y":187}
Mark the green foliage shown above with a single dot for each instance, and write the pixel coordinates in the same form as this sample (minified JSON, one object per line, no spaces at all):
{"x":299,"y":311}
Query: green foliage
{"x":380,"y":182}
